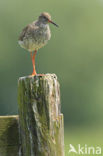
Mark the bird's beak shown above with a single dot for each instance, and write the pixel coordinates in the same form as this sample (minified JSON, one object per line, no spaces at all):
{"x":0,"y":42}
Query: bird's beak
{"x":53,"y":23}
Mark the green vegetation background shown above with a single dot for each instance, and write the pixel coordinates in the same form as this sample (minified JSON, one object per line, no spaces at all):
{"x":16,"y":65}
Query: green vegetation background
{"x":74,"y":53}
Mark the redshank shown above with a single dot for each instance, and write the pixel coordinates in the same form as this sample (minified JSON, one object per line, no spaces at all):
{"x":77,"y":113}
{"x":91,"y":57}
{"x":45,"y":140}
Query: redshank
{"x":35,"y":35}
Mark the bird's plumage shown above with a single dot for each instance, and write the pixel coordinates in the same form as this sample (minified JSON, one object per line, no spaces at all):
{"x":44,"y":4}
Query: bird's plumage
{"x":36,"y":34}
{"x":34,"y":37}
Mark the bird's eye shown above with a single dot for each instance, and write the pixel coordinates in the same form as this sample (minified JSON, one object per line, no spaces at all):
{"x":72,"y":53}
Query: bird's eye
{"x":45,"y":18}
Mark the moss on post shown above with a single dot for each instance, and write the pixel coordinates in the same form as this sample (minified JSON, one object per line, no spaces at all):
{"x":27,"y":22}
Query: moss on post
{"x":9,"y":136}
{"x":40,"y":118}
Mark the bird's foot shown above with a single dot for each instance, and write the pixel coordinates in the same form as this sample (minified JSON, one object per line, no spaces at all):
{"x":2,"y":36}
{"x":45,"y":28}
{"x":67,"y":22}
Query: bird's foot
{"x":34,"y":73}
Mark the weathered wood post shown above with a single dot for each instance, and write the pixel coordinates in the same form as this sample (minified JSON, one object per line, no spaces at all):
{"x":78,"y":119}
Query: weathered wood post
{"x":9,"y":136}
{"x":40,"y":118}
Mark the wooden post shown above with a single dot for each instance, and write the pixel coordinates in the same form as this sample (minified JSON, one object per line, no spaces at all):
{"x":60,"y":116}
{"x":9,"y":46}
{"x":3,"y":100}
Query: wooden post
{"x":9,"y":136}
{"x":40,"y":118}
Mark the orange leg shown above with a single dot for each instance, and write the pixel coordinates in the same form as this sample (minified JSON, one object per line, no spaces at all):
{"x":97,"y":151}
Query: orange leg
{"x":33,"y":62}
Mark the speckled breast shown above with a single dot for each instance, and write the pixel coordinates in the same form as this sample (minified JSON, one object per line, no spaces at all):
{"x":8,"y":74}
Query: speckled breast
{"x":36,"y":39}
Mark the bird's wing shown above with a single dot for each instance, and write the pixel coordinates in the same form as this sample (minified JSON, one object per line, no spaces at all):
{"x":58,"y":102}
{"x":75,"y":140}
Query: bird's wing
{"x":27,"y":30}
{"x":22,"y":34}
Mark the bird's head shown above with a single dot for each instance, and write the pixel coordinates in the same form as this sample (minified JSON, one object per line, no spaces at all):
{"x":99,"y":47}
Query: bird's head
{"x":45,"y":18}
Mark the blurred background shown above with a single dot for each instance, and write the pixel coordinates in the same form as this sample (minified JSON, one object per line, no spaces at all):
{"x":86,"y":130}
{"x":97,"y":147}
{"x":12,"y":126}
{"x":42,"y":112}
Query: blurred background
{"x":74,"y":54}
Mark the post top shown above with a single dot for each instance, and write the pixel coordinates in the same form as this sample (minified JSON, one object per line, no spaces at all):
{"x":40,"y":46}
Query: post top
{"x":48,"y":76}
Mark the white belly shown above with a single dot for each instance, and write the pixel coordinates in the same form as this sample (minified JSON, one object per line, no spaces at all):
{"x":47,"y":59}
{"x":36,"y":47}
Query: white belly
{"x":30,"y":45}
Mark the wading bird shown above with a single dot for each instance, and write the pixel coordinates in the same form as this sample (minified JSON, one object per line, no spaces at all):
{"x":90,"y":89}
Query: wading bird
{"x":35,"y":35}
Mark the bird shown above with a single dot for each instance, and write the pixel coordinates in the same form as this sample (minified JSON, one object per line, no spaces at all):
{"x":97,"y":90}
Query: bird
{"x":36,"y":35}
